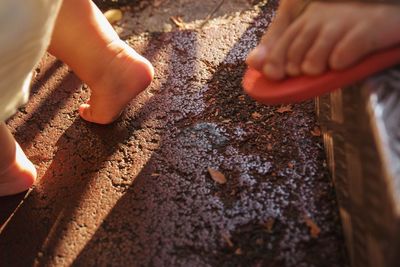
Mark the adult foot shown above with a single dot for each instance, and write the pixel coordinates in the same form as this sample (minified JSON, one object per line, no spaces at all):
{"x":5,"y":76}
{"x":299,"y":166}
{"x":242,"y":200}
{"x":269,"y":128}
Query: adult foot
{"x":287,"y":12}
{"x":124,"y":75}
{"x":17,"y":175}
{"x":332,"y":35}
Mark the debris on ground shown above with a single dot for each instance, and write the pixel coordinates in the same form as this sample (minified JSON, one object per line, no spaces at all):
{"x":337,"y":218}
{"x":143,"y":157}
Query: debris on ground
{"x":113,"y":15}
{"x":217,"y":176}
{"x":138,"y":192}
{"x":178,"y":21}
{"x":228,"y":240}
{"x":314,"y":229}
{"x":284,"y":109}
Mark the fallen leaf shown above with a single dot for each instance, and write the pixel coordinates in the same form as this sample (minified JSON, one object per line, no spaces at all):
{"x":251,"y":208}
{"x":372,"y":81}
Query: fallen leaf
{"x":269,"y":147}
{"x":238,"y":251}
{"x":178,"y":21}
{"x":316,"y":131}
{"x":113,"y":15}
{"x":228,"y":240}
{"x":314,"y":229}
{"x":290,"y":165}
{"x":284,"y":109}
{"x":217,"y":176}
{"x":256,"y":115}
{"x":269,"y":224}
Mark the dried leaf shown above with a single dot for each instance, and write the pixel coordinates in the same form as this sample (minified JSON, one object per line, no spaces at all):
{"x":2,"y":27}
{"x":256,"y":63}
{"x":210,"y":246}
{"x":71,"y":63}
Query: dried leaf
{"x":228,"y":240}
{"x":178,"y":21}
{"x":269,"y":224}
{"x":256,"y":115}
{"x":284,"y":109}
{"x":269,"y":147}
{"x":290,"y":165}
{"x":217,"y":176}
{"x":113,"y":15}
{"x":238,"y":251}
{"x":314,"y":229}
{"x":316,"y":131}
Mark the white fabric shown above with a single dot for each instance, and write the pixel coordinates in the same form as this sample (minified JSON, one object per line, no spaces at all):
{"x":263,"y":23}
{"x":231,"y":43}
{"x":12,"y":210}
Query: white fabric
{"x":25,"y":32}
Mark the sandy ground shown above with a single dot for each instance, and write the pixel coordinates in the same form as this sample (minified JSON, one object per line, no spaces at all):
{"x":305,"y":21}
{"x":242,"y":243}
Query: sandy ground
{"x":139,"y":192}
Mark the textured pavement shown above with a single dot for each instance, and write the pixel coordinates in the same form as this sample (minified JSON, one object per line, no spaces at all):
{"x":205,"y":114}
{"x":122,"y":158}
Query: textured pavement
{"x":139,"y":193}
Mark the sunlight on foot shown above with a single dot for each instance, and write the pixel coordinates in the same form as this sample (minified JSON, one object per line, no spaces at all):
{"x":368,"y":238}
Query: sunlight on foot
{"x":18,"y":176}
{"x":123,"y":78}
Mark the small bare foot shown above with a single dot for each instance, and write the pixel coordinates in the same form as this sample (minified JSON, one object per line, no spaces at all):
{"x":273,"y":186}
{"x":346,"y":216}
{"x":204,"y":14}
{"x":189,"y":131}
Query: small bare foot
{"x":115,"y":73}
{"x":124,"y":75}
{"x":18,"y":175}
{"x":332,"y":35}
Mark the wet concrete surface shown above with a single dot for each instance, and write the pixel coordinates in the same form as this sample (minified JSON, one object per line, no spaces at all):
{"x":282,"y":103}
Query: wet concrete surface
{"x":138,"y":192}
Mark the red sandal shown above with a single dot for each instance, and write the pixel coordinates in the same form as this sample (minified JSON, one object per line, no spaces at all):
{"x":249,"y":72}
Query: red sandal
{"x":301,"y":88}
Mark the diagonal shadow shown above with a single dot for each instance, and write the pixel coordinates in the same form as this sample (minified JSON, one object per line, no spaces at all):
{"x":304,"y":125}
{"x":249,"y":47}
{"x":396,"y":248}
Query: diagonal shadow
{"x":49,"y":106}
{"x":134,"y":246}
{"x":81,"y":152}
{"x":27,"y":131}
{"x":43,"y":78}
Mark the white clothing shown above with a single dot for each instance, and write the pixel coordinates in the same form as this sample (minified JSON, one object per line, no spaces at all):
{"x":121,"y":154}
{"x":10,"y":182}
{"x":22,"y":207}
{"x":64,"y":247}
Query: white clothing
{"x":25,"y":32}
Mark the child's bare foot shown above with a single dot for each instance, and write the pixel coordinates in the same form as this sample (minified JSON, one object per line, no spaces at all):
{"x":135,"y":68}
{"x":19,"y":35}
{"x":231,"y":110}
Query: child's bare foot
{"x":17,"y":173}
{"x":115,"y":73}
{"x":123,"y":77}
{"x":328,"y":35}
